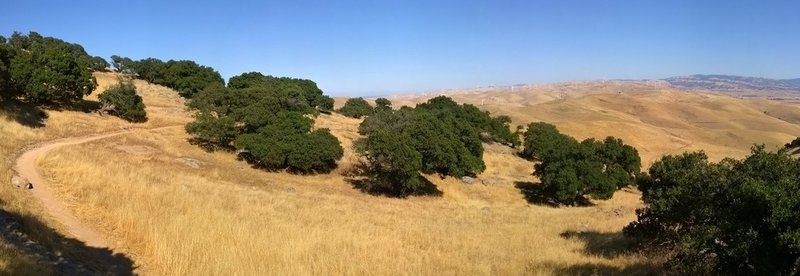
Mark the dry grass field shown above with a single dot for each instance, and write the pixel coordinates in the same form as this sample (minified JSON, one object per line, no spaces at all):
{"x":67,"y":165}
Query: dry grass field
{"x":175,"y":209}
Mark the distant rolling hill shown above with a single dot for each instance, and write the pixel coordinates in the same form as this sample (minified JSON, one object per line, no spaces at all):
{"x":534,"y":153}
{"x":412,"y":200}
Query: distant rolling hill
{"x":727,"y":82}
{"x":745,"y":87}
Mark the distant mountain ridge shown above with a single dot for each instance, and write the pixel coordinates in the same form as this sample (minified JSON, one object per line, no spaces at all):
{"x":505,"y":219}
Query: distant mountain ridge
{"x":733,"y":83}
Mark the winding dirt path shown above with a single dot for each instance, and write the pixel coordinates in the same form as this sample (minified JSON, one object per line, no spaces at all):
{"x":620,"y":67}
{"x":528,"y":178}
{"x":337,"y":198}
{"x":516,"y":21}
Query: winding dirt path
{"x":25,"y":166}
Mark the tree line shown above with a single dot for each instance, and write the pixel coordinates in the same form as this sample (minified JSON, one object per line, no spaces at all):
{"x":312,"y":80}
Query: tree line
{"x":48,"y":71}
{"x":185,"y":76}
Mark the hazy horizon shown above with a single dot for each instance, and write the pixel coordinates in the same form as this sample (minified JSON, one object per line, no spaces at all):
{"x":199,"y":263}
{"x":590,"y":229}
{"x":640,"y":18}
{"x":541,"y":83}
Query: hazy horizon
{"x":373,"y":48}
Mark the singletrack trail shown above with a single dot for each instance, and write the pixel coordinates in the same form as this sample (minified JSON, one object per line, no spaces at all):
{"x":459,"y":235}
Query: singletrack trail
{"x":25,"y":166}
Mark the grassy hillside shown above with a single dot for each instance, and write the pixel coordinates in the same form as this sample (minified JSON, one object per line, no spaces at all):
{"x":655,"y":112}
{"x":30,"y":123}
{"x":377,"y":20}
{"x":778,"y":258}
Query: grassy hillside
{"x":655,"y":119}
{"x":23,"y":125}
{"x":175,"y":209}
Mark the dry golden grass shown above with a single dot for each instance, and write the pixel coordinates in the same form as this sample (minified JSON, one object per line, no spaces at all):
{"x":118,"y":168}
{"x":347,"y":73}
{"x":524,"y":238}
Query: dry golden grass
{"x":22,"y":126}
{"x":227,"y":218}
{"x":656,"y":119}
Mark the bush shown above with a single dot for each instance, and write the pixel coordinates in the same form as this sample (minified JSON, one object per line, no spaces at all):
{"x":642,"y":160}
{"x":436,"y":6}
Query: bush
{"x":569,"y":170}
{"x":733,"y":217}
{"x":123,"y":100}
{"x":45,"y":70}
{"x":356,"y":108}
{"x":266,"y":118}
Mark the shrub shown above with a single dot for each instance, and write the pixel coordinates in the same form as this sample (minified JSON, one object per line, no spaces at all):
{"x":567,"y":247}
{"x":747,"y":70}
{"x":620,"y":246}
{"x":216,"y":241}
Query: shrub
{"x":733,"y":217}
{"x":356,"y":108}
{"x":123,"y":100}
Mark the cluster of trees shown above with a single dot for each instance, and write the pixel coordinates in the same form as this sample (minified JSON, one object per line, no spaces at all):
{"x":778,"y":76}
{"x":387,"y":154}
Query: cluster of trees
{"x":358,"y":107}
{"x":737,"y":217}
{"x":122,"y":99}
{"x":46,"y":70}
{"x":269,"y":119}
{"x":569,"y":170}
{"x":185,"y":76}
{"x":439,"y":136}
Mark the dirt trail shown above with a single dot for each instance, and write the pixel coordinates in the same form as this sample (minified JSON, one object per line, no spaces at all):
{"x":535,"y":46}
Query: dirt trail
{"x":25,"y":166}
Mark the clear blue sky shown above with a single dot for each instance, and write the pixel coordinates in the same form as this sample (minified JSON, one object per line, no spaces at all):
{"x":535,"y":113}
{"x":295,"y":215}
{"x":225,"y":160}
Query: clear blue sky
{"x":385,"y":47}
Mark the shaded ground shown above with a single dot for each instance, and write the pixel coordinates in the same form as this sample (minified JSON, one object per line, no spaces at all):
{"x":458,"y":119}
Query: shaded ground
{"x":66,"y":256}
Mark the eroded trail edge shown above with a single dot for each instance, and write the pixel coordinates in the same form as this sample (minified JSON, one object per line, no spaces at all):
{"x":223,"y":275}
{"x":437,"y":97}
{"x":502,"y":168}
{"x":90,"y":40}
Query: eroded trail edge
{"x":25,"y":166}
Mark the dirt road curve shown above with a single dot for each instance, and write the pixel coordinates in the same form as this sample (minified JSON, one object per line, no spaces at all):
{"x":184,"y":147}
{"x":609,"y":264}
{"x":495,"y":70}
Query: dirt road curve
{"x":25,"y":166}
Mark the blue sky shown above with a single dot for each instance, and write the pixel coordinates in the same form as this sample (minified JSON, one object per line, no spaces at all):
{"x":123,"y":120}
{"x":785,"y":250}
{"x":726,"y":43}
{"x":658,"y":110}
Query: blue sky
{"x":388,"y":47}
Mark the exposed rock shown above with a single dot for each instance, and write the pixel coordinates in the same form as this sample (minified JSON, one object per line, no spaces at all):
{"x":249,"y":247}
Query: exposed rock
{"x":29,"y":186}
{"x":468,"y":180}
{"x":190,"y":162}
{"x":18,"y":181}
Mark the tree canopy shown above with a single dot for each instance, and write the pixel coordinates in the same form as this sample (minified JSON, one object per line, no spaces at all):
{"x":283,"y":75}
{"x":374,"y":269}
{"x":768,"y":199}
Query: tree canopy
{"x":269,"y":121}
{"x":569,"y":170}
{"x":439,"y":136}
{"x":306,"y":89}
{"x":185,"y":76}
{"x":382,"y":104}
{"x":44,"y":70}
{"x":356,"y":108}
{"x":733,"y":217}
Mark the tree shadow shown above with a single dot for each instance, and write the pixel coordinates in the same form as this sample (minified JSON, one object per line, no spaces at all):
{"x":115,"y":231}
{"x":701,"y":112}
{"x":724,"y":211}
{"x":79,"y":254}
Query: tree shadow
{"x":83,"y":105}
{"x":608,"y":245}
{"x":255,"y":164}
{"x":535,"y":193}
{"x":600,"y":269}
{"x":23,"y":113}
{"x":64,"y":255}
{"x":209,"y":146}
{"x":358,"y":177}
